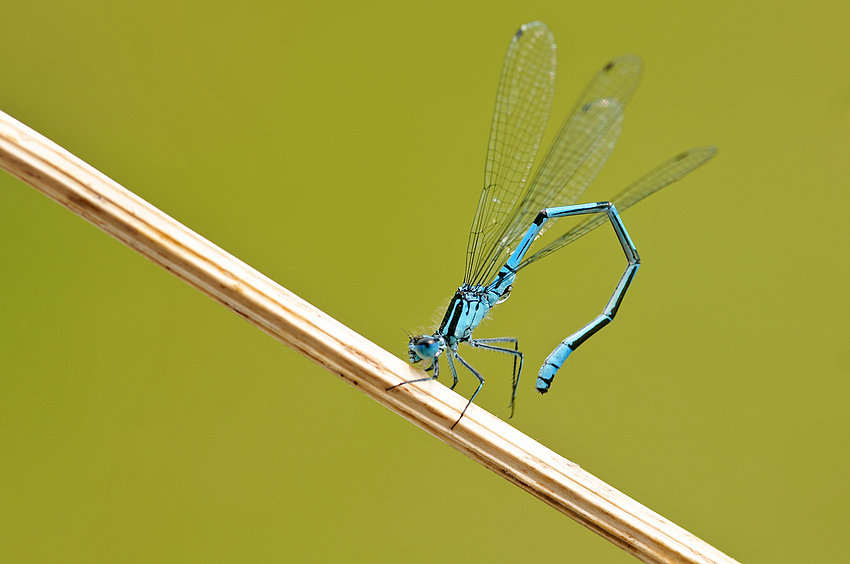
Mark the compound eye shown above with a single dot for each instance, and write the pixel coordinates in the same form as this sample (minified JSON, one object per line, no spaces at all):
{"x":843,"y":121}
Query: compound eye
{"x":425,"y":347}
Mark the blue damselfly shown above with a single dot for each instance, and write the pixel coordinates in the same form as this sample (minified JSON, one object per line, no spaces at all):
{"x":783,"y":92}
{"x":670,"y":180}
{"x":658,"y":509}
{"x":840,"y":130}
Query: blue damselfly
{"x":512,"y":213}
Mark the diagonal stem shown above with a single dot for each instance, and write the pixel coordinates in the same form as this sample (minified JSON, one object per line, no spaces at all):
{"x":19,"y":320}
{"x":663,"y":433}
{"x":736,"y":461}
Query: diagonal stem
{"x":558,"y":482}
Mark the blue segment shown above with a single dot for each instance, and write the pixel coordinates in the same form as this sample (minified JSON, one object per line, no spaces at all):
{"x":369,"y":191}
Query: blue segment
{"x":553,"y":362}
{"x":512,"y":212}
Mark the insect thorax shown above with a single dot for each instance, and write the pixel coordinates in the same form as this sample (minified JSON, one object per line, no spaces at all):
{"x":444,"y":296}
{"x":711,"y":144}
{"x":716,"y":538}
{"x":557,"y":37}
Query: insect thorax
{"x":469,"y":306}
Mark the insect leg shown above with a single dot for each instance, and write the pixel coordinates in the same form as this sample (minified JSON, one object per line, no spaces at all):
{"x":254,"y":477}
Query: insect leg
{"x":435,"y":364}
{"x":475,"y":373}
{"x":518,"y":356}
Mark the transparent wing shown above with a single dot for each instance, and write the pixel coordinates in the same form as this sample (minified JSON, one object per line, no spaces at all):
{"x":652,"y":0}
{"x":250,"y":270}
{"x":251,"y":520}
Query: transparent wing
{"x":560,"y":185}
{"x":586,"y":132}
{"x":523,"y":101}
{"x":663,"y":175}
{"x":582,"y":145}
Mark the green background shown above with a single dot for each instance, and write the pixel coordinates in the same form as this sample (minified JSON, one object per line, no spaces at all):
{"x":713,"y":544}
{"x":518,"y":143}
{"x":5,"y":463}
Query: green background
{"x":339,"y":149}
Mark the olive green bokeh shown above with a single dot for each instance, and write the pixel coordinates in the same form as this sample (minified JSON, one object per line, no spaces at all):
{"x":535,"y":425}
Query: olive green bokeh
{"x":339,"y":149}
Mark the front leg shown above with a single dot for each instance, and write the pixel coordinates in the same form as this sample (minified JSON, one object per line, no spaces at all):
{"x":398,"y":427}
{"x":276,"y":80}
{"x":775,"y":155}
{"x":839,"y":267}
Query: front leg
{"x":435,"y":365}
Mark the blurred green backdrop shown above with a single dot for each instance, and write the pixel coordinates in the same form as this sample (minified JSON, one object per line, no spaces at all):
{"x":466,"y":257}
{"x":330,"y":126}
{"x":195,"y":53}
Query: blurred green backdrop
{"x":339,"y":148}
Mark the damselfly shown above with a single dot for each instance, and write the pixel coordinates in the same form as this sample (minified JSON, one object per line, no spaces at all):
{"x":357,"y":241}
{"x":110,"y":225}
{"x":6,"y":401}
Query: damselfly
{"x":510,"y":216}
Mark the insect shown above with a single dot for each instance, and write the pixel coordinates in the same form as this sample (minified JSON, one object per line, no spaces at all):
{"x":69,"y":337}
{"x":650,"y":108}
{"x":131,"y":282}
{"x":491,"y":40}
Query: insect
{"x":512,"y":213}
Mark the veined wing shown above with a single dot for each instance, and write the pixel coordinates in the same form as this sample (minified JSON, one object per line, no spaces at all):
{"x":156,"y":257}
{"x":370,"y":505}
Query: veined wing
{"x":661,"y":176}
{"x":581,"y":147}
{"x":566,"y":173}
{"x":523,"y":101}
